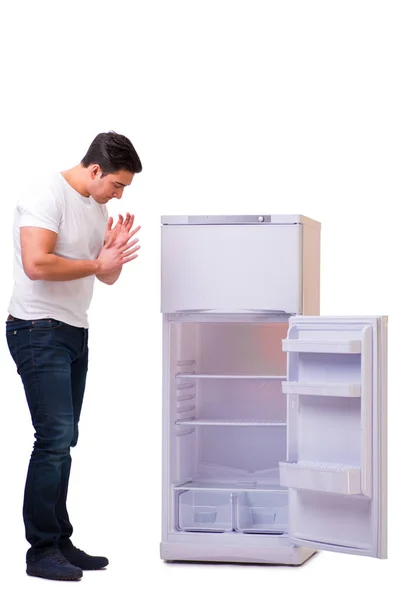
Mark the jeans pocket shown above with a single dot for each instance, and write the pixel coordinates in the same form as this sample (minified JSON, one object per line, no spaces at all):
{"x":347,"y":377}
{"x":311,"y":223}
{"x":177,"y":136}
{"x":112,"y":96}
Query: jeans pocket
{"x":12,"y":342}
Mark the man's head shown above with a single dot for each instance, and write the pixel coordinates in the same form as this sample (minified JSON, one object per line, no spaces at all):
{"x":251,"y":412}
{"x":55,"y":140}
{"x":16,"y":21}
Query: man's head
{"x":110,"y":162}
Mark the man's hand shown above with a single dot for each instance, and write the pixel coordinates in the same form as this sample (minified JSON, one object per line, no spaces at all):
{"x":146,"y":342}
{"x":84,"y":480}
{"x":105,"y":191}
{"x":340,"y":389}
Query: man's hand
{"x":113,"y":257}
{"x":119,"y":236}
{"x":121,"y":232}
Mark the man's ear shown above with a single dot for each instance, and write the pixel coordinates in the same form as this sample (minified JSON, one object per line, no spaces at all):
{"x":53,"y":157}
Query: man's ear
{"x":95,"y":171}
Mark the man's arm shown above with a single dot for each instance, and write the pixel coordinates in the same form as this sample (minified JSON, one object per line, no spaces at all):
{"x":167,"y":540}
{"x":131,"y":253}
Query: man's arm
{"x":39,"y":262}
{"x":110,"y":278}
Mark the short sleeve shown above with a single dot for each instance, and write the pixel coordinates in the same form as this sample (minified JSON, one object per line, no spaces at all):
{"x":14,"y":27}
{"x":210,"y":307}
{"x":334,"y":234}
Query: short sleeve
{"x":42,"y":209}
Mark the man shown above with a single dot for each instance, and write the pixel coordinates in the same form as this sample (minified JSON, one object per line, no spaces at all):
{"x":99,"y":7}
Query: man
{"x":63,"y":239}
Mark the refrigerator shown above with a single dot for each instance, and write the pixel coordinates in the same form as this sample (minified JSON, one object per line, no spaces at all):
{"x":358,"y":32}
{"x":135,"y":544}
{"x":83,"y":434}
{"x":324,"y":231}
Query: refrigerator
{"x":274,"y":417}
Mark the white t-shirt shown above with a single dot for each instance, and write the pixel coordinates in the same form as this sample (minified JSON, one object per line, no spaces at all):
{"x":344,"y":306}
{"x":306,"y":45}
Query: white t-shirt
{"x":80,"y":223}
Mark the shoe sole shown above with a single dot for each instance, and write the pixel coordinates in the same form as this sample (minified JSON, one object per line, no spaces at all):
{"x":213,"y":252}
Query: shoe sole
{"x":77,"y":578}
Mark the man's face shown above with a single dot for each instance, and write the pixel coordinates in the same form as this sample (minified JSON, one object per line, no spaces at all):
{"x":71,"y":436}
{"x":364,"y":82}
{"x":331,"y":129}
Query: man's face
{"x":102,"y":189}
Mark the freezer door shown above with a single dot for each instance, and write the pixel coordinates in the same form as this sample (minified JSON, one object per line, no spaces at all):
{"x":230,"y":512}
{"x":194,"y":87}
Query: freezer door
{"x":231,"y":268}
{"x":336,"y":468}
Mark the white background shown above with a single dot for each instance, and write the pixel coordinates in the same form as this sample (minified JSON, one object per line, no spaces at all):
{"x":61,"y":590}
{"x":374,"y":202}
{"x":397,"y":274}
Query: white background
{"x":233,"y":107}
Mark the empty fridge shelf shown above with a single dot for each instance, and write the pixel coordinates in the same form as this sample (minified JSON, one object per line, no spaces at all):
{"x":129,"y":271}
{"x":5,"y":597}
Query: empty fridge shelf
{"x":322,"y":346}
{"x":348,"y":390}
{"x":321,"y":476}
{"x":209,"y":376}
{"x":233,"y":486}
{"x":230,"y":422}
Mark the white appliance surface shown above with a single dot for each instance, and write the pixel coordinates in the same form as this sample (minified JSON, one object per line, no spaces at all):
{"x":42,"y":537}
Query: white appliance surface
{"x":274,"y":427}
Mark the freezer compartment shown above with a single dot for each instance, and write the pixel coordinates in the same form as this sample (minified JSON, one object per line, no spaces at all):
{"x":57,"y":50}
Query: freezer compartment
{"x":204,"y":511}
{"x":319,"y":476}
{"x":262,"y":512}
{"x":260,"y":270}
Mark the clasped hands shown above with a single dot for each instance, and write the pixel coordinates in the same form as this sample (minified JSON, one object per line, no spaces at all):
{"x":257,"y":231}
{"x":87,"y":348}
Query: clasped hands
{"x":119,"y":248}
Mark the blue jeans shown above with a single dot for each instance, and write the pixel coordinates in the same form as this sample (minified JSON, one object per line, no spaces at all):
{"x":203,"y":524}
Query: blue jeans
{"x":52,"y":360}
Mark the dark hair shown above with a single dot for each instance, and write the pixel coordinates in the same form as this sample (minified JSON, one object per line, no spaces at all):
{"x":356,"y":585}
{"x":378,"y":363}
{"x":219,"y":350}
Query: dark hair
{"x":113,"y":152}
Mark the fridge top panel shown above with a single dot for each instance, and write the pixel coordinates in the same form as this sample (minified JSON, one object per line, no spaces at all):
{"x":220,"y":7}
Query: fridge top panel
{"x":260,"y":219}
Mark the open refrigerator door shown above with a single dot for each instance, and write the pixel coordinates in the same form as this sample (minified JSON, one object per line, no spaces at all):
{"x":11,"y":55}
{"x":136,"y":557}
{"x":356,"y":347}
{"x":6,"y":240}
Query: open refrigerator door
{"x":336,"y":467}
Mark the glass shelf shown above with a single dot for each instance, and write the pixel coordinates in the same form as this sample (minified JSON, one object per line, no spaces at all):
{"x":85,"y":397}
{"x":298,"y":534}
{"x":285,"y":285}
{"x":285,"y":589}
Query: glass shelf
{"x":207,"y":376}
{"x":230,"y":422}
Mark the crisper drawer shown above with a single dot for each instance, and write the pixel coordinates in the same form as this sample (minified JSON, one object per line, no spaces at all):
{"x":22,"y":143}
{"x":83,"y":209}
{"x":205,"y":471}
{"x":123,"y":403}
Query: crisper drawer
{"x":231,"y":268}
{"x":262,"y":512}
{"x":232,"y":510}
{"x":204,"y":511}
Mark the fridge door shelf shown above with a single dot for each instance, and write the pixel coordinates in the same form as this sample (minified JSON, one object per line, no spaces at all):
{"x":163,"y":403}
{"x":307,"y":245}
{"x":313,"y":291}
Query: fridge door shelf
{"x":322,"y":346}
{"x":343,"y":390}
{"x":322,"y":477}
{"x":229,"y":423}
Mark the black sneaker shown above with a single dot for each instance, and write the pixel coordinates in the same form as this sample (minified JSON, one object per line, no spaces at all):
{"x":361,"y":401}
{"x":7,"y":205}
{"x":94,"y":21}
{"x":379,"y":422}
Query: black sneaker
{"x":52,"y":565}
{"x":81,"y":559}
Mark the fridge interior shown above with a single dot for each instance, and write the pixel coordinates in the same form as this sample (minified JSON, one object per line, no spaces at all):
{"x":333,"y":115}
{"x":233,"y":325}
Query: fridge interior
{"x":228,"y":426}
